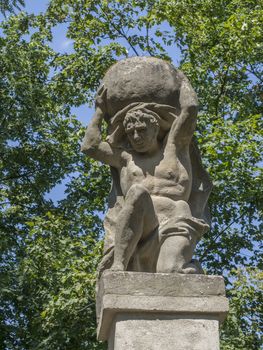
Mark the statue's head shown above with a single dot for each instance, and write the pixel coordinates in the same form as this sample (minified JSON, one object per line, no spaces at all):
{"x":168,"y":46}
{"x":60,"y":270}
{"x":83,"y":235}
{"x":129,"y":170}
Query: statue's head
{"x":142,"y":129}
{"x":154,"y":118}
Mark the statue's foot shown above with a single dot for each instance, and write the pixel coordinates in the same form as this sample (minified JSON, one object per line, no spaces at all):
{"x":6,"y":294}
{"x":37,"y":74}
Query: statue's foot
{"x":194,"y":267}
{"x":190,"y":269}
{"x":106,"y":262}
{"x":117,"y":267}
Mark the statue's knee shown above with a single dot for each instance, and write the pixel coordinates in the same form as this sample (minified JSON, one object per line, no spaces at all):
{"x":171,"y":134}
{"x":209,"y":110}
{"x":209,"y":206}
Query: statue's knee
{"x":136,"y":192}
{"x":183,"y":208}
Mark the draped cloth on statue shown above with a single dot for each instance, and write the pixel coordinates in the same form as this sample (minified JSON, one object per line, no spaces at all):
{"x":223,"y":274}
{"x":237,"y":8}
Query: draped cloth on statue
{"x":195,"y":226}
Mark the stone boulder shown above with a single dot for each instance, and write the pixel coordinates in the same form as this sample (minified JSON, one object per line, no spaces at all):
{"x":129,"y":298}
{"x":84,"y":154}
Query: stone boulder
{"x":141,"y":79}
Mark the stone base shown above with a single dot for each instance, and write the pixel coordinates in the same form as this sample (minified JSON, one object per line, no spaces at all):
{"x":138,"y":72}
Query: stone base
{"x":146,"y":311}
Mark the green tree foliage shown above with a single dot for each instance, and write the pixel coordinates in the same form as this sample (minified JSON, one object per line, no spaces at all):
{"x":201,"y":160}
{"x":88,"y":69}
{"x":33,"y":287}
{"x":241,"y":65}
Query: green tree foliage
{"x":10,"y":6}
{"x":243,"y":326}
{"x":49,"y":249}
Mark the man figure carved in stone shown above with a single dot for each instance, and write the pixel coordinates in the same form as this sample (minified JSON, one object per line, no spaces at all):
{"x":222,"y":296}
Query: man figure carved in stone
{"x":157,"y":204}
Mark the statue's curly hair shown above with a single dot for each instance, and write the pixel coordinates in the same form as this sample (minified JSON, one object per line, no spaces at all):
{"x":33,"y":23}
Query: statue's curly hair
{"x":139,"y":115}
{"x":162,"y":116}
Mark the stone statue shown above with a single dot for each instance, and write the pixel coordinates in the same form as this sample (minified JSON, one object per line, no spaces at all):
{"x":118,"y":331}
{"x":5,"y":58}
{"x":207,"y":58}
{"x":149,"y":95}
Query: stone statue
{"x":157,"y":206}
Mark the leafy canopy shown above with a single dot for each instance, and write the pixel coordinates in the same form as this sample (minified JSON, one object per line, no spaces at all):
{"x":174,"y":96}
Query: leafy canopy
{"x":10,"y":5}
{"x":50,"y":249}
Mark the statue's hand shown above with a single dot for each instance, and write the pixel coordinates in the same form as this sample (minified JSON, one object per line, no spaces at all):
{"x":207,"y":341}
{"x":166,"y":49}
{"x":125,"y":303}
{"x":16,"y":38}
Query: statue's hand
{"x":100,"y":102}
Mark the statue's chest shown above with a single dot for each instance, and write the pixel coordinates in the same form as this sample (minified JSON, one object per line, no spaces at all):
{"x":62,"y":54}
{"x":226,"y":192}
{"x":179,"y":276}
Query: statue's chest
{"x":133,"y":172}
{"x":137,"y":171}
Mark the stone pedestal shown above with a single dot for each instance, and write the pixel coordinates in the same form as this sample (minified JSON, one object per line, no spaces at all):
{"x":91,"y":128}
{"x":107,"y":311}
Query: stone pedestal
{"x":146,"y":311}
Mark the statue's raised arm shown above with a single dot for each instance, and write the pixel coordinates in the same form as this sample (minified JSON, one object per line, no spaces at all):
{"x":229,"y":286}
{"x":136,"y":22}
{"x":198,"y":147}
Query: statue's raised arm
{"x":183,"y":127}
{"x":92,"y":144}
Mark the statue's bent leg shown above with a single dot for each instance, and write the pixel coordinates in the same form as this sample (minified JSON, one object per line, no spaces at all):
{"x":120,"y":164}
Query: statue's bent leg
{"x":175,"y":255}
{"x":136,"y":220}
{"x":179,"y":239}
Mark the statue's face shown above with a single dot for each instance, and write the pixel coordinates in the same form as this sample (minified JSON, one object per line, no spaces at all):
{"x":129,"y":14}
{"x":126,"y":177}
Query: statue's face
{"x":142,"y":135}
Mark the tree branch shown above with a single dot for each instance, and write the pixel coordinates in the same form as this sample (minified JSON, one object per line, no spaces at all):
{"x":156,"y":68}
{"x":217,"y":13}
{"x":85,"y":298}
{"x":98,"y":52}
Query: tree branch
{"x":13,"y":177}
{"x":256,"y":74}
{"x":149,"y":49}
{"x":123,"y":35}
{"x":222,"y":90}
{"x":218,"y":235}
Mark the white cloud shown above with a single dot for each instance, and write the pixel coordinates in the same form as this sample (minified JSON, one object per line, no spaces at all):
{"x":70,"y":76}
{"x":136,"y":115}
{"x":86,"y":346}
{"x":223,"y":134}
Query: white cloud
{"x":66,"y":43}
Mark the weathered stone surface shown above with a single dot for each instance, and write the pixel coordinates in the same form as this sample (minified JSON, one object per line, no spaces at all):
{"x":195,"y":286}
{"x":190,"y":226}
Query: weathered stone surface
{"x":141,"y":79}
{"x":163,"y":332}
{"x":167,"y":284}
{"x":157,"y":285}
{"x":149,"y":296}
{"x":157,"y":206}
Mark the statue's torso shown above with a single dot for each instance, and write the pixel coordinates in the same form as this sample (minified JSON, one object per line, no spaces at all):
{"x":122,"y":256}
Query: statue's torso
{"x":163,"y":174}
